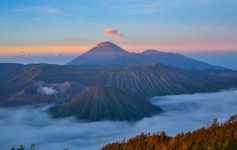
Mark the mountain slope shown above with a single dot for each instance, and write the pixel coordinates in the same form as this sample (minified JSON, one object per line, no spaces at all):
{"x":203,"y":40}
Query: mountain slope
{"x":107,"y":53}
{"x":21,"y":87}
{"x":105,"y":103}
{"x":104,"y":53}
{"x":110,"y":93}
{"x":8,"y":68}
{"x":218,"y":136}
{"x":156,"y":80}
{"x":175,"y":60}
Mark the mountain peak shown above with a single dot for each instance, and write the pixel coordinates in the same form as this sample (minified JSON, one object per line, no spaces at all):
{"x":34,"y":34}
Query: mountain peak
{"x":107,"y":46}
{"x":105,"y":43}
{"x":151,"y":51}
{"x":105,"y":103}
{"x":107,"y":53}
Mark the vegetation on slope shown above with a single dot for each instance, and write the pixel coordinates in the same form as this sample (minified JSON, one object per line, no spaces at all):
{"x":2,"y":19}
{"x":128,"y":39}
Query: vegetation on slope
{"x":105,"y":103}
{"x":215,"y":137}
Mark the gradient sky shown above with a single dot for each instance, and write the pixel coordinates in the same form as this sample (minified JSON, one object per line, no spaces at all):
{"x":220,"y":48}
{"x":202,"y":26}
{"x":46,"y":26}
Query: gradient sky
{"x":71,"y":27}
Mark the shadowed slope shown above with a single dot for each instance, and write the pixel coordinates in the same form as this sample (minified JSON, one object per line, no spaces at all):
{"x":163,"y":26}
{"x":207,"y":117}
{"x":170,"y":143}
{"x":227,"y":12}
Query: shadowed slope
{"x":144,"y":81}
{"x":105,"y":103}
{"x":8,"y":68}
{"x":105,"y":53}
{"x":156,"y":80}
{"x":20,"y":87}
{"x":175,"y":60}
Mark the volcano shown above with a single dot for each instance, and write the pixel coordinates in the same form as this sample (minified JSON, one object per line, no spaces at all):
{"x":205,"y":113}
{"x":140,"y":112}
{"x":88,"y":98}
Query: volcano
{"x":104,"y":53}
{"x":107,"y":53}
{"x":105,"y":103}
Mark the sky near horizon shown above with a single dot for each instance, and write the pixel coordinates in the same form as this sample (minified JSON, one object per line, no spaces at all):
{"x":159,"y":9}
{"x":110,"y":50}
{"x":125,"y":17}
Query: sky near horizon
{"x":53,"y":27}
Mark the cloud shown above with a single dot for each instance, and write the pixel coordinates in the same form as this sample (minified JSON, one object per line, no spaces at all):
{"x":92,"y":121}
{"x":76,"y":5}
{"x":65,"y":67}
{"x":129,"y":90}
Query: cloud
{"x":114,"y":33}
{"x":182,"y":113}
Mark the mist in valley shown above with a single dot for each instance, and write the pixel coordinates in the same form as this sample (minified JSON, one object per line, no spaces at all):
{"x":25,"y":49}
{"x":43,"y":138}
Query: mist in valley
{"x":182,"y":113}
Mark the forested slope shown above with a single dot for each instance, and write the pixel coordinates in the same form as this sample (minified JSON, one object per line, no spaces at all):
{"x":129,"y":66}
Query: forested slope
{"x":215,"y":137}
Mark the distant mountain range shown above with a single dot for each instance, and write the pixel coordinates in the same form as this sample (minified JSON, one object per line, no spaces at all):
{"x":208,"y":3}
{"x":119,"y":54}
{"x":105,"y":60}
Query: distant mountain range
{"x":107,"y":53}
{"x":89,"y":92}
{"x":109,"y":83}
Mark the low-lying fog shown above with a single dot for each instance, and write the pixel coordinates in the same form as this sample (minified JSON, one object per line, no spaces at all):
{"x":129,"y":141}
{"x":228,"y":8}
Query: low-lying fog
{"x":182,"y":113}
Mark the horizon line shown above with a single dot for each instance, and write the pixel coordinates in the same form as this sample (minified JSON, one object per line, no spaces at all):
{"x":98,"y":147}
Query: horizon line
{"x":18,"y":50}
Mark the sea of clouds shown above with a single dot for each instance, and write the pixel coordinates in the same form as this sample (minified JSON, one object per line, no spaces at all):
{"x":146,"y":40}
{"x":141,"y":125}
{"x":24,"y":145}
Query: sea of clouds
{"x":27,"y":125}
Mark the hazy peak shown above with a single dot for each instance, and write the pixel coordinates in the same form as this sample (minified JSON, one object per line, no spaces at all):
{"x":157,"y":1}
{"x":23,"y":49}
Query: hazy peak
{"x":105,"y":43}
{"x":106,"y":46}
{"x":151,"y":51}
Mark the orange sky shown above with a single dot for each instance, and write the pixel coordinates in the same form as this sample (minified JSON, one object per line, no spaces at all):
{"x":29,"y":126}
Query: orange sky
{"x":41,"y":50}
{"x":78,"y":49}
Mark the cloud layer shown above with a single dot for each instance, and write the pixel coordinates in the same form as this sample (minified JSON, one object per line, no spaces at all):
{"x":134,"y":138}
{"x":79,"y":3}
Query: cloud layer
{"x":182,"y":113}
{"x":114,"y":33}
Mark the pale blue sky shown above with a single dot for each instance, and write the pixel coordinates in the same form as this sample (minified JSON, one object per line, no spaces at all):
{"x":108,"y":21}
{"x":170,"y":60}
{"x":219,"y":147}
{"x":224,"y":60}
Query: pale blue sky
{"x":167,"y":25}
{"x":64,"y":22}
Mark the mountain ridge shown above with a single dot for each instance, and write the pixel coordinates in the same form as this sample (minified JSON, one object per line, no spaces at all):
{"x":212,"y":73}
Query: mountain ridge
{"x":107,"y":53}
{"x":143,"y":80}
{"x":61,"y":84}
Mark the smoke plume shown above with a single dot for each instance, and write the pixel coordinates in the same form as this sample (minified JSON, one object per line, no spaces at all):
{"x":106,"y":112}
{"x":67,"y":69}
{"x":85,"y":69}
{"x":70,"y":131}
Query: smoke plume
{"x":114,"y":33}
{"x":46,"y":90}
